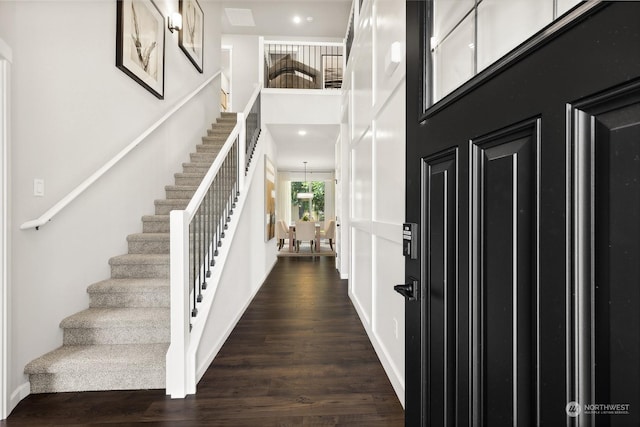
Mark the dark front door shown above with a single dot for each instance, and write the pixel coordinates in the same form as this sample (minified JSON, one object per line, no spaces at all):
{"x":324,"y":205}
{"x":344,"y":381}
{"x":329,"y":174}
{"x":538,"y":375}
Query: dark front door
{"x":525,"y":184}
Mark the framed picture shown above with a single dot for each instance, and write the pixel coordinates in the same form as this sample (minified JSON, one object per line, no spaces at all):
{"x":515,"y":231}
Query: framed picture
{"x":140,"y":43}
{"x":191,"y":37}
{"x":331,"y":71}
{"x":269,"y":199}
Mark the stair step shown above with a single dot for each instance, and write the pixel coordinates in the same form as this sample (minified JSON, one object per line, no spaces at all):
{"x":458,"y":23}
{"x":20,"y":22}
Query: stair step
{"x":155,"y":224}
{"x":227,"y":124}
{"x":117,"y":326}
{"x":221,"y":132}
{"x":207,"y":158}
{"x":228,"y":114}
{"x":180,"y":191}
{"x":139,"y":266}
{"x":195,"y":168}
{"x":99,"y":367}
{"x":209,"y":148}
{"x":163,"y":207}
{"x":213,"y":138}
{"x":148,"y":243}
{"x":225,"y":119}
{"x":129,"y":293}
{"x":189,"y":178}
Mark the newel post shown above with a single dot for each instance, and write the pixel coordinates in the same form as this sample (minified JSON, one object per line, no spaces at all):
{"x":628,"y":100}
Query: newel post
{"x":176,"y":369}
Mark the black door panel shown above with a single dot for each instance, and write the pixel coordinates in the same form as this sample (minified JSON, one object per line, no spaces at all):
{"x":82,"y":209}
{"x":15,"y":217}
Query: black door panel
{"x":505,"y":213}
{"x":607,"y":275}
{"x":440,"y":175}
{"x":527,"y":189}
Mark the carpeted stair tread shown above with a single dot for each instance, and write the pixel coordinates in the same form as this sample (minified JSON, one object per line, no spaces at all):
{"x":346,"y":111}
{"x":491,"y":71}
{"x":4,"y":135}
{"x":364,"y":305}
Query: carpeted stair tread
{"x":165,"y":206}
{"x":153,"y":292}
{"x":209,"y":148}
{"x":133,"y":259}
{"x":129,"y":285}
{"x":147,"y":236}
{"x":181,"y":187}
{"x":156,"y":224}
{"x":78,"y":359}
{"x":207,"y":158}
{"x":139,"y":266}
{"x":214,"y":139}
{"x":118,"y":318}
{"x":149,"y":243}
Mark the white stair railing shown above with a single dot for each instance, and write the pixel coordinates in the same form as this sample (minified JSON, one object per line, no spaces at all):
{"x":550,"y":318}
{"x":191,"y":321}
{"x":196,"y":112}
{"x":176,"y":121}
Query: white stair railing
{"x":196,"y":240}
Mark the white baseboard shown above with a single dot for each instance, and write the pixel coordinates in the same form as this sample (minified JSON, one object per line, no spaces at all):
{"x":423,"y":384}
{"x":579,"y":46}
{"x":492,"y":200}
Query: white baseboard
{"x":397,"y":382}
{"x":18,"y":394}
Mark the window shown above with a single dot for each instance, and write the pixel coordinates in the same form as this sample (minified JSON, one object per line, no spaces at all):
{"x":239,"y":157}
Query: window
{"x":308,"y":208}
{"x":464,"y":37}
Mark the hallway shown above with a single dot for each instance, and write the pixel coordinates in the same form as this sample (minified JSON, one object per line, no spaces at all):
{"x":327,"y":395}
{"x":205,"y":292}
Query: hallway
{"x":298,"y":357}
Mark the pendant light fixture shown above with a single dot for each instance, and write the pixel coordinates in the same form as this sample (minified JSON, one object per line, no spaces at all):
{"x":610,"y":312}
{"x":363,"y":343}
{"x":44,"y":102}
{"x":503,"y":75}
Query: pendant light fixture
{"x":308,"y":194}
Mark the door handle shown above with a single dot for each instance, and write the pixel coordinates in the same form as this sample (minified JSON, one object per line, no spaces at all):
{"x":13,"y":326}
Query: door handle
{"x":411,"y":291}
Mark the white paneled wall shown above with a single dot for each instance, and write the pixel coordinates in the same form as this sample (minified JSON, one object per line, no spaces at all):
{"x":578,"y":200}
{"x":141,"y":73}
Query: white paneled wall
{"x":373,"y":155}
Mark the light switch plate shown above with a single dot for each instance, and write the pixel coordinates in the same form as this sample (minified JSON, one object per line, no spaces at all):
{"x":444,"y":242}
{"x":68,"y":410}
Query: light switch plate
{"x":38,"y":187}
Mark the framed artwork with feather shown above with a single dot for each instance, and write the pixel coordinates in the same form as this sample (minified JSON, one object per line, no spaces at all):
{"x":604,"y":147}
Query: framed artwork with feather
{"x":140,"y":43}
{"x":191,"y":37}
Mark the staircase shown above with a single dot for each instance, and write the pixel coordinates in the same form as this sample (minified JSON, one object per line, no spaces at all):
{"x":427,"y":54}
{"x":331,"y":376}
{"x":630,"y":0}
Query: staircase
{"x":120,"y":342}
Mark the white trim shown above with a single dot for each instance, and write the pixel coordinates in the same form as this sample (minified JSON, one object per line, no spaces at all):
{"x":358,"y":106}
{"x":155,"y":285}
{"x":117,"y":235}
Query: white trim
{"x":5,"y":51}
{"x":283,"y":91}
{"x":5,"y":55}
{"x":48,"y":215}
{"x":392,"y":371}
{"x":305,"y":43}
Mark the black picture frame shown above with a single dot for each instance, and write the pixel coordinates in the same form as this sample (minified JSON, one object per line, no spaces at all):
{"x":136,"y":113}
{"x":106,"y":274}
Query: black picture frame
{"x":191,"y":37}
{"x":140,"y":43}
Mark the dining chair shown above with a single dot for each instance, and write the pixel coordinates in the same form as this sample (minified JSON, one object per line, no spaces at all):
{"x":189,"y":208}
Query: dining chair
{"x":305,"y":231}
{"x":283,"y":233}
{"x":329,"y":232}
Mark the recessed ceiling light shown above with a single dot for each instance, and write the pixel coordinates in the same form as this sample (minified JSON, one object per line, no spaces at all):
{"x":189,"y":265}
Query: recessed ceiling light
{"x":302,"y":132}
{"x":297,"y":20}
{"x":309,"y":18}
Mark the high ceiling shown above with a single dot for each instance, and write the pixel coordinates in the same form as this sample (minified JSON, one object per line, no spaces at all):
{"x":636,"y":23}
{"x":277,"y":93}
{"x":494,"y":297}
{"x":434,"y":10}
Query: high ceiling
{"x":329,"y":18}
{"x":324,"y":20}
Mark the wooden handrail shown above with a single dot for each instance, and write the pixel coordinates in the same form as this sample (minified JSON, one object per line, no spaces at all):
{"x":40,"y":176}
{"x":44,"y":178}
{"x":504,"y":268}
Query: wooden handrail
{"x":66,"y":200}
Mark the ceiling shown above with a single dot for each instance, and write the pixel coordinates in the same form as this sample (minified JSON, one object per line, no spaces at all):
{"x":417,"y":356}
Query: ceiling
{"x":317,"y":147}
{"x":275,"y":18}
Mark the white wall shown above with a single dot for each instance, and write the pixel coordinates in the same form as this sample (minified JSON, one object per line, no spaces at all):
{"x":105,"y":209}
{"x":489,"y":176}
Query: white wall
{"x":244,"y":66}
{"x":372,"y":147}
{"x":292,"y":106}
{"x":241,"y":279}
{"x":72,"y":110}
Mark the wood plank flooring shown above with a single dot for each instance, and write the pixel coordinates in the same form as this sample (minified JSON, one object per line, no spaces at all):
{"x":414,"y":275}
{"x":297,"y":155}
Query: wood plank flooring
{"x":298,"y":357}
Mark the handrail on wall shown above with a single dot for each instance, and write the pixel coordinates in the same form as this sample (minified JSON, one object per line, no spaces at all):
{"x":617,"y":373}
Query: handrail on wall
{"x":66,"y":200}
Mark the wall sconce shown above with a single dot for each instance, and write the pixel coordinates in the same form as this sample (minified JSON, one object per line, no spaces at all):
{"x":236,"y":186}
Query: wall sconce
{"x":175,"y":21}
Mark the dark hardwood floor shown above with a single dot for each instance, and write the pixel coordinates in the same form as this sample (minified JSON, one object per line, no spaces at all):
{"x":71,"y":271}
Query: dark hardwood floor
{"x":298,"y":357}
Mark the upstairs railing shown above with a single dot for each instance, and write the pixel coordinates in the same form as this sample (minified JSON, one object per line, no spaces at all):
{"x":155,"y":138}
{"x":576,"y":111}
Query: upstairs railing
{"x":253,"y":120}
{"x":303,"y":65}
{"x":197,"y":235}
